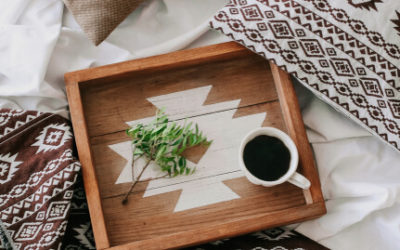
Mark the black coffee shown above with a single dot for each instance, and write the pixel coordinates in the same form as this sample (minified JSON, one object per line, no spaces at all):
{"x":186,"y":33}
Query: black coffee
{"x":266,"y":157}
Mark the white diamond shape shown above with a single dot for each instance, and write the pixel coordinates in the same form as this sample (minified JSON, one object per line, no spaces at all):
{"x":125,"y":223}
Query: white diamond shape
{"x":45,"y":141}
{"x":8,"y":167}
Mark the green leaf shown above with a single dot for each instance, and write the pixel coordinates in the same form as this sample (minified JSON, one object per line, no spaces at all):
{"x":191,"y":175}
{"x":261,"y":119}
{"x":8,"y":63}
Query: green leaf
{"x":175,"y":149}
{"x":189,"y":140}
{"x":179,"y":132}
{"x":159,"y":129}
{"x":188,"y":126}
{"x":164,"y":142}
{"x":173,"y":163}
{"x":184,"y":142}
{"x":182,"y":162}
{"x":167,"y":131}
{"x":177,"y":142}
{"x":161,"y":151}
{"x":182,"y":148}
{"x":138,"y":151}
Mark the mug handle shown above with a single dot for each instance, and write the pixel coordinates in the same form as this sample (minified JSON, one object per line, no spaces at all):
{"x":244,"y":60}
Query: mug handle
{"x":300,"y":181}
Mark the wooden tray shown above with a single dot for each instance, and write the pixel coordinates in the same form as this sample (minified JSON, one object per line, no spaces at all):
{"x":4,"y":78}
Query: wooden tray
{"x":228,"y":90}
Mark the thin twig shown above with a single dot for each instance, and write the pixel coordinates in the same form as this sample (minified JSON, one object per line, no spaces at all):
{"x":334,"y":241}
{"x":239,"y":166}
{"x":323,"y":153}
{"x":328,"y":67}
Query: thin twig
{"x":133,"y":164}
{"x":125,"y":200}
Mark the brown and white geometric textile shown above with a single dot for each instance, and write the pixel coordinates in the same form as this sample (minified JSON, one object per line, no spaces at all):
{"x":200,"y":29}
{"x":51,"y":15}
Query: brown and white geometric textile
{"x":37,"y":173}
{"x":79,"y":233}
{"x":346,"y":52}
{"x":278,"y":238}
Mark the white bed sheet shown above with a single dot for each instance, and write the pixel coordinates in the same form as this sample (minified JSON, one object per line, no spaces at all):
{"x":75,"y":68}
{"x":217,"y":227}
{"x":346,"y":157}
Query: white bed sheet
{"x":40,"y":41}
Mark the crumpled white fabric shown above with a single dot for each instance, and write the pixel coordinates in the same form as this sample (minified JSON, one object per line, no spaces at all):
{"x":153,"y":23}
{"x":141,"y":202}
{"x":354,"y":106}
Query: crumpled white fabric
{"x":360,"y":176}
{"x":28,"y":34}
{"x":40,"y":41}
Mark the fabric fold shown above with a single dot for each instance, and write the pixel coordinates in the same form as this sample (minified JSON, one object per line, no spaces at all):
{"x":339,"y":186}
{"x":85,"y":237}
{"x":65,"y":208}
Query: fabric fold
{"x":343,"y":60}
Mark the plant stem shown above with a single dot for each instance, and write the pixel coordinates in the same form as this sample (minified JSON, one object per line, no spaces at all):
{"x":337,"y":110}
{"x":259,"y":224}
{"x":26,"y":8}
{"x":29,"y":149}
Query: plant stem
{"x":125,"y":200}
{"x":133,"y":165}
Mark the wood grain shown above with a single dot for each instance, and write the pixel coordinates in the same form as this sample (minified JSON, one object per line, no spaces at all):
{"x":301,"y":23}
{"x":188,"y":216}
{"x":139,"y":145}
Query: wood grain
{"x":176,"y":60}
{"x":294,"y":122}
{"x":88,"y":170}
{"x":131,"y":103}
{"x":103,"y":99}
{"x":231,"y":229}
{"x":153,"y":216}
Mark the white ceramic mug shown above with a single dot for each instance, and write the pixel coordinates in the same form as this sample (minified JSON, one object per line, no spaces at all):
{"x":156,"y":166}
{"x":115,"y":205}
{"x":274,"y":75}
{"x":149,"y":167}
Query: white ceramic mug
{"x":291,"y":175}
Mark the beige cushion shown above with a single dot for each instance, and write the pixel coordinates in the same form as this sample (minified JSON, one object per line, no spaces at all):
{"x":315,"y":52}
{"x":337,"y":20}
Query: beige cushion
{"x":98,"y":18}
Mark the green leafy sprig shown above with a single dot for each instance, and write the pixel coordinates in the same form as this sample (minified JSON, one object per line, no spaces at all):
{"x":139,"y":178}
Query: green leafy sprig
{"x":164,"y":142}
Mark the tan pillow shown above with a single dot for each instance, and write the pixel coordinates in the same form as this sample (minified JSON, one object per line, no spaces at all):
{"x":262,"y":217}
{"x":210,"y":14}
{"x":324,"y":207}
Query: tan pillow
{"x":98,"y":18}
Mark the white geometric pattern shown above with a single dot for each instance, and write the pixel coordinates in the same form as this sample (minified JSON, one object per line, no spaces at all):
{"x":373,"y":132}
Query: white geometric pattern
{"x":48,"y":238}
{"x":35,"y":178}
{"x":34,"y":220}
{"x":330,"y":84}
{"x":274,"y":234}
{"x":48,"y":226}
{"x":28,"y":231}
{"x":41,"y":197}
{"x":84,"y":234}
{"x":41,"y":215}
{"x":6,"y":116}
{"x":223,"y":150}
{"x":57,"y":210}
{"x":68,"y":194}
{"x":275,"y":248}
{"x":52,"y":137}
{"x":8,"y":167}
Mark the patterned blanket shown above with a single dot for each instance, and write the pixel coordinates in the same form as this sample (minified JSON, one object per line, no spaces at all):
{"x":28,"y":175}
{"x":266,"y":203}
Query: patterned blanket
{"x":37,"y":173}
{"x":346,"y":52}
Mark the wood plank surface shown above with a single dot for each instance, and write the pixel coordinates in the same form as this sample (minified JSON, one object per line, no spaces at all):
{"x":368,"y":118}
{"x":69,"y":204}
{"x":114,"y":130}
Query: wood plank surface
{"x":153,"y":216}
{"x":128,"y":102}
{"x":243,"y":225}
{"x":175,"y":60}
{"x":228,"y":91}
